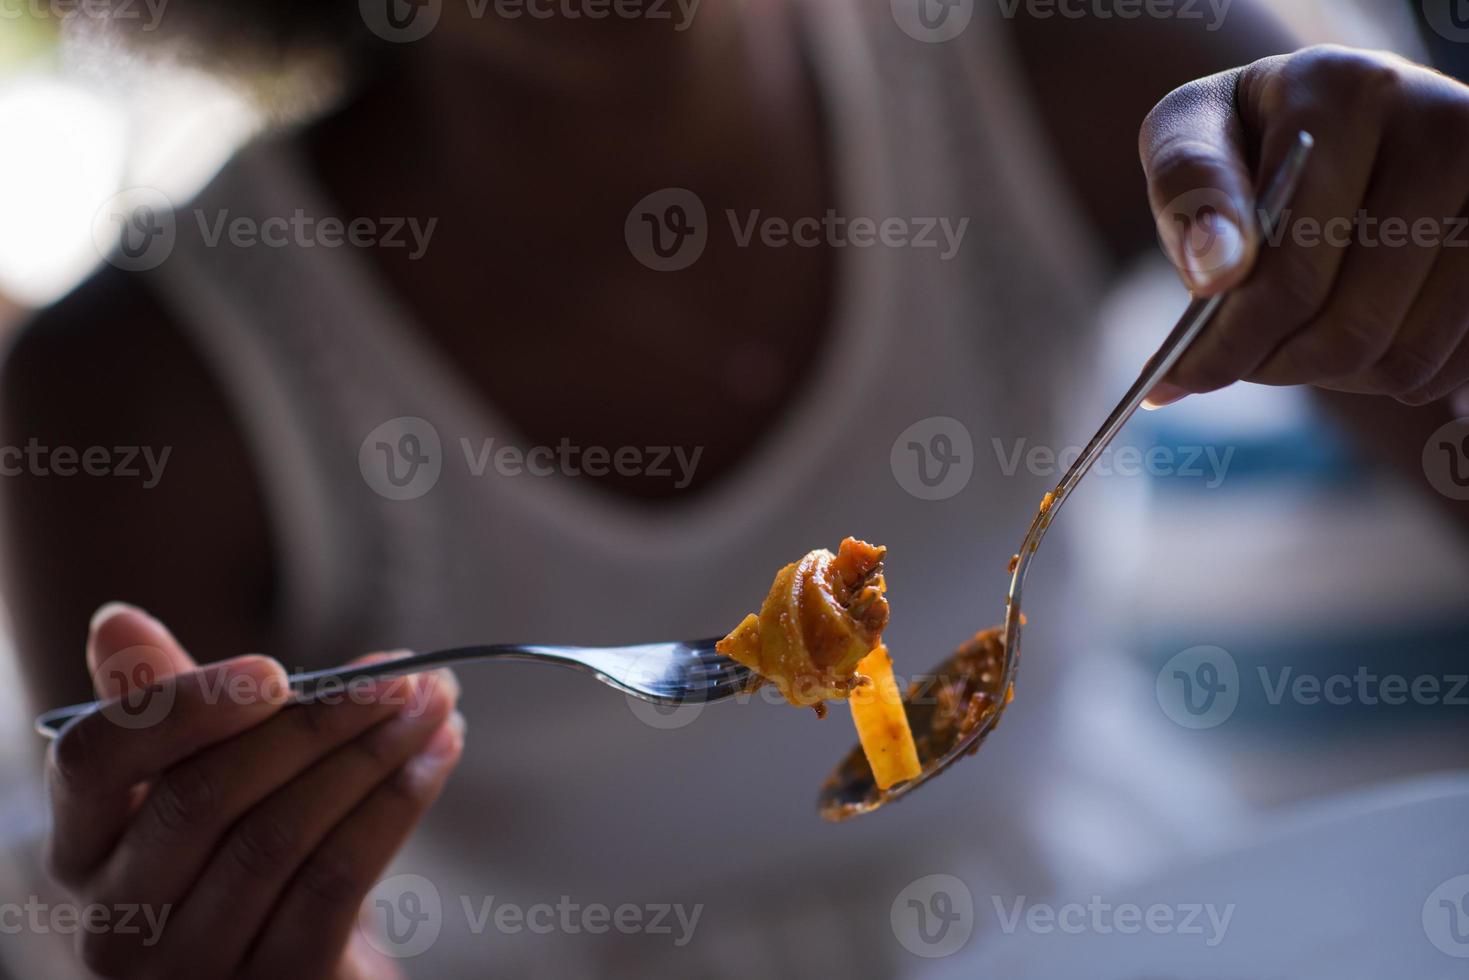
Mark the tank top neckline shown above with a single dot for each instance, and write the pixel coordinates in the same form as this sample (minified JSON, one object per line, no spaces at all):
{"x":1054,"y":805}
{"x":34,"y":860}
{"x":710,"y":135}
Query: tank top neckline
{"x":844,"y":374}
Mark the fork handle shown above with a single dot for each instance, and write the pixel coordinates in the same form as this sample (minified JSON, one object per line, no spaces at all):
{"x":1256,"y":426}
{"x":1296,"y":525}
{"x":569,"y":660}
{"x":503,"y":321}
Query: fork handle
{"x":333,"y":680}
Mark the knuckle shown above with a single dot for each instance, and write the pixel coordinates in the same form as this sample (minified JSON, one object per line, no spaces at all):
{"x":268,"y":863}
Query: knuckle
{"x":1349,"y":72}
{"x":1352,"y":339}
{"x":332,"y":880}
{"x":184,"y":797}
{"x":262,"y":846}
{"x":1272,"y":91}
{"x":316,"y":720}
{"x":1419,"y":398}
{"x":1402,"y":371}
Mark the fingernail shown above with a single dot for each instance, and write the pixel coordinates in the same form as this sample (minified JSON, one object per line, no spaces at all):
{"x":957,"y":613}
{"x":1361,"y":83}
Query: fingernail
{"x":1164,"y":394}
{"x":448,"y":740}
{"x":110,"y":609}
{"x":1213,"y":249}
{"x":429,"y":686}
{"x":450,"y":680}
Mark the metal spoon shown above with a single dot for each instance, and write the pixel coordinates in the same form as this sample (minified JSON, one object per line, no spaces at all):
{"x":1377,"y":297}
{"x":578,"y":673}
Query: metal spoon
{"x":976,"y":676}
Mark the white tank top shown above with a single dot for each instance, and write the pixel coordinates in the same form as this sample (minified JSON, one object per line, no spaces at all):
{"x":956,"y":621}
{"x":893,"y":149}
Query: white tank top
{"x":565,"y":790}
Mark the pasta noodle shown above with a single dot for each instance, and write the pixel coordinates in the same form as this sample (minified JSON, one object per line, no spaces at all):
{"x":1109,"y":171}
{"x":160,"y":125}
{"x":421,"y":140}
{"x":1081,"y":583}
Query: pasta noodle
{"x":818,"y":636}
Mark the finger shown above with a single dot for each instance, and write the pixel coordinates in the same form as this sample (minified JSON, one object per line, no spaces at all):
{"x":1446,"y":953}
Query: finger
{"x":1394,"y":246}
{"x":95,"y":765}
{"x":1295,"y":273}
{"x":1430,"y":358}
{"x":314,"y":920}
{"x":232,"y":899}
{"x":193,"y":804}
{"x":1195,"y":158}
{"x":118,"y":628}
{"x":127,"y":651}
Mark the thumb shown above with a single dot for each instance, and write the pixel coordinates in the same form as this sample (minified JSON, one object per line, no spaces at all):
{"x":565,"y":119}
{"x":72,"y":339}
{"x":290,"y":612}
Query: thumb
{"x":1195,"y":157}
{"x":128,"y":649}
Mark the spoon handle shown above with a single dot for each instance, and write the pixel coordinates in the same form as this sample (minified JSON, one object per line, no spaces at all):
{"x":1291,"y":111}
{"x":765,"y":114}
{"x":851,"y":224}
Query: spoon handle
{"x":1199,"y":315}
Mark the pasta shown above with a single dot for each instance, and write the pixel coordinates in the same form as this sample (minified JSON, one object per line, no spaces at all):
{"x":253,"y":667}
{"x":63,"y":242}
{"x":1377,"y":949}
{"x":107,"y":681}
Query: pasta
{"x":818,"y":636}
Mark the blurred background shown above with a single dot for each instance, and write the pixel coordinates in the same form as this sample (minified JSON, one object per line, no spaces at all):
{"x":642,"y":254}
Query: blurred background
{"x":1319,"y":561}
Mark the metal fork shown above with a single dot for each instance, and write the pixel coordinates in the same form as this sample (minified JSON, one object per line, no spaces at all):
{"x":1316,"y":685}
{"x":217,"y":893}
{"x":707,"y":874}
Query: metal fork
{"x":662,"y":673}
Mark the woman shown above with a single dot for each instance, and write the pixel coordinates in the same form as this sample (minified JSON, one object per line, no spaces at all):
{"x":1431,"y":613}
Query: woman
{"x":301,"y":387}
